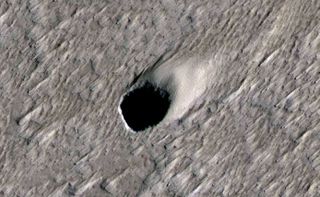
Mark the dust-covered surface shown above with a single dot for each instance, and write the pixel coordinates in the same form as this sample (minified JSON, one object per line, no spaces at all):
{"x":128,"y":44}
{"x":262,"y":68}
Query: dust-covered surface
{"x":254,"y":131}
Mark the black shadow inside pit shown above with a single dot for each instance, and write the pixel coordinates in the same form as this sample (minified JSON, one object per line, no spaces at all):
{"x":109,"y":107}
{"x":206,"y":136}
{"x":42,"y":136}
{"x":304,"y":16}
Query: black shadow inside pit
{"x":145,"y":106}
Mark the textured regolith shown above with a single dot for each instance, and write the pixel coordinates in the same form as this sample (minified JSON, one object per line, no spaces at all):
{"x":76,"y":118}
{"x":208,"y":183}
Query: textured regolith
{"x":254,"y":131}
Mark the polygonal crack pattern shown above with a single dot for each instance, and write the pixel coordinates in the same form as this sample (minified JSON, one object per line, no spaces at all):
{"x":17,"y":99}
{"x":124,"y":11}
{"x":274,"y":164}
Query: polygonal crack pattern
{"x":145,"y":106}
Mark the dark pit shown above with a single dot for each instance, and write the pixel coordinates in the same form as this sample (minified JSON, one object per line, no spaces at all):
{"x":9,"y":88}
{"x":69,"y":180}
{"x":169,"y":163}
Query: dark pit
{"x":145,"y":106}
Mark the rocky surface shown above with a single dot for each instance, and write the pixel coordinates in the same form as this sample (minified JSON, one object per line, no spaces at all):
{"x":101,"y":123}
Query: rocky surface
{"x":253,"y":131}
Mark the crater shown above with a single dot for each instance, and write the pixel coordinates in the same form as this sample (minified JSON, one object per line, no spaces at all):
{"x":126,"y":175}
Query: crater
{"x":144,"y":106}
{"x":164,"y":93}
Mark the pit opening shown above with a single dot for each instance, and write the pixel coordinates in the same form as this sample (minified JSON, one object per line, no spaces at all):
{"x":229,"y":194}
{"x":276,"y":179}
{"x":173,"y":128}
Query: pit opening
{"x":145,"y":106}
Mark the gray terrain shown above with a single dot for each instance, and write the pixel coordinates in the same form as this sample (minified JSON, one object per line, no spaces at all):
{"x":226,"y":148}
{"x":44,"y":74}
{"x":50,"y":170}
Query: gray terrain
{"x":245,"y":120}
